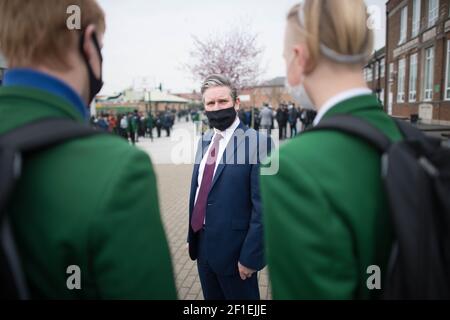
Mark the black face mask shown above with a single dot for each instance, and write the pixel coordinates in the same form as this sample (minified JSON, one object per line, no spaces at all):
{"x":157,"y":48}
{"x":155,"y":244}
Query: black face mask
{"x":221,"y":119}
{"x":95,"y":84}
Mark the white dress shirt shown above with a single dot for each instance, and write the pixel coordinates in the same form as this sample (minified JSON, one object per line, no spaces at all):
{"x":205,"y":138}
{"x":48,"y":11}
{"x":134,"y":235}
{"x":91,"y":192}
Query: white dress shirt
{"x":223,"y":143}
{"x":334,"y":101}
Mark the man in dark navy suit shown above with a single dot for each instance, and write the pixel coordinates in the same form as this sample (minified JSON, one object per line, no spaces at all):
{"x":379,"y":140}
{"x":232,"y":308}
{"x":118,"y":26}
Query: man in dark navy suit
{"x":225,"y":230}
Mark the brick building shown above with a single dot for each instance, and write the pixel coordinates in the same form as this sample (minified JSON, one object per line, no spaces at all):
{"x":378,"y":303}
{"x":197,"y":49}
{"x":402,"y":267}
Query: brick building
{"x":194,"y":97}
{"x":418,"y":59}
{"x":375,"y":74}
{"x":143,"y":101}
{"x":273,"y":92}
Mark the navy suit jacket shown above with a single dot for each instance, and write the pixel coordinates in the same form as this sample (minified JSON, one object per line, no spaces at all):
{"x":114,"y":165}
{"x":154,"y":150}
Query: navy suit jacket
{"x":234,"y":231}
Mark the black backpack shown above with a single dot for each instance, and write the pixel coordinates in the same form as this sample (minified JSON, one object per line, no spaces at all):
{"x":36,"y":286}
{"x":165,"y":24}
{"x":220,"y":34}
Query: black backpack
{"x":416,"y":176}
{"x":14,"y":146}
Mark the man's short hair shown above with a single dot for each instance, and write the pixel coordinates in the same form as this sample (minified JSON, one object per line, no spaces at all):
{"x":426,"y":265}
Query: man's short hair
{"x":217,"y":80}
{"x":36,"y":32}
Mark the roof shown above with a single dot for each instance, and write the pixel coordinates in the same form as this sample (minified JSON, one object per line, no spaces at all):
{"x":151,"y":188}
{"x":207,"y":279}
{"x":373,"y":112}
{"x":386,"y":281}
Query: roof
{"x":194,"y":96}
{"x":377,"y":55}
{"x":275,"y":82}
{"x":158,"y":96}
{"x":150,"y":96}
{"x":380,"y":52}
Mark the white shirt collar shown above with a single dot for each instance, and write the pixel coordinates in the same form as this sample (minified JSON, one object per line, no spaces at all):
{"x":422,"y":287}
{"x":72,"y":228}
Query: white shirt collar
{"x":228,"y":133}
{"x":332,"y":102}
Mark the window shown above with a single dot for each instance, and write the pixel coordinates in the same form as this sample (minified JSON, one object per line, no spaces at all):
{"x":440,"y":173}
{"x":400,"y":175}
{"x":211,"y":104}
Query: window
{"x":366,"y":74}
{"x":382,"y":68}
{"x":413,"y":78}
{"x":401,"y":81}
{"x":403,"y":25}
{"x":369,"y":74}
{"x":416,"y":18}
{"x":447,"y":77}
{"x":377,"y":65}
{"x":429,"y":74}
{"x":433,"y":12}
{"x":382,"y":96}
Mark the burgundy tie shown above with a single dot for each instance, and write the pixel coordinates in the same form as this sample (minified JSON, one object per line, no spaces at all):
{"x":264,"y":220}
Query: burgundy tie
{"x":198,"y":216}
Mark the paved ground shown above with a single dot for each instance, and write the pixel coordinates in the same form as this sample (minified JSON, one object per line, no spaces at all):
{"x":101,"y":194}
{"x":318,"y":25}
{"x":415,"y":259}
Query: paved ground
{"x":173,"y":186}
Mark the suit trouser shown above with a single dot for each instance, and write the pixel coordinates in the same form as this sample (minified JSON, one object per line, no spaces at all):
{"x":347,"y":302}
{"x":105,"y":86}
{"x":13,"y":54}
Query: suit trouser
{"x":219,"y":287}
{"x":158,"y":129}
{"x":293,"y":130}
{"x":282,"y":131}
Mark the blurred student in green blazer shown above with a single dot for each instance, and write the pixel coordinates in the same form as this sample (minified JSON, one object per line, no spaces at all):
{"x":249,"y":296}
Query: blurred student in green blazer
{"x":90,"y":202}
{"x":326,"y":216}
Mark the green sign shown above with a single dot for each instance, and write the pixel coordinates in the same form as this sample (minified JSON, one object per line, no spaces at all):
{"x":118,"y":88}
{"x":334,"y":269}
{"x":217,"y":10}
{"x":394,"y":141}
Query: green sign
{"x":437,"y":88}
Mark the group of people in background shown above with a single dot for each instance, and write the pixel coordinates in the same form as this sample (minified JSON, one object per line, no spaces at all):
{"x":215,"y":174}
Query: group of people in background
{"x":135,"y":125}
{"x":287,"y":116}
{"x":132,"y":126}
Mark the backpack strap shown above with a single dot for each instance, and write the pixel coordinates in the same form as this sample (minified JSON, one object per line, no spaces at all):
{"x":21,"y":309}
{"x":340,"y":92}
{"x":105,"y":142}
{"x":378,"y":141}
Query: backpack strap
{"x":356,"y":127}
{"x":44,"y":134}
{"x":413,"y":134}
{"x":32,"y":137}
{"x":408,"y":131}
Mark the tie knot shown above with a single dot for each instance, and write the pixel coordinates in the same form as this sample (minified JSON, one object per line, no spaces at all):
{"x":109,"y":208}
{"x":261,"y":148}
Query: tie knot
{"x":217,"y":137}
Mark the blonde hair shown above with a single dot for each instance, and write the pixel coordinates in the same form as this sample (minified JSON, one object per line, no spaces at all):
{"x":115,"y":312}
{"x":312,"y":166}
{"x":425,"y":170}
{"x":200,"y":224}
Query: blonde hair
{"x":333,"y":29}
{"x":36,"y":32}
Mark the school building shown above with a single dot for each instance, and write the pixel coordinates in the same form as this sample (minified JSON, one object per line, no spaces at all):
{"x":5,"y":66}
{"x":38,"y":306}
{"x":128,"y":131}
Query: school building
{"x":418,"y":59}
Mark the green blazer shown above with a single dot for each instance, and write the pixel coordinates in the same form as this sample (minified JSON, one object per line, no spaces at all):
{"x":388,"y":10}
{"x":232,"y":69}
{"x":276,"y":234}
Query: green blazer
{"x":92,"y":203}
{"x":325,"y":213}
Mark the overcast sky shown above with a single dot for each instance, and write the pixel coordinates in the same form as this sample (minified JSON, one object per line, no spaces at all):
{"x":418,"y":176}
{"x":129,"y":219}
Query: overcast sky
{"x":152,"y":39}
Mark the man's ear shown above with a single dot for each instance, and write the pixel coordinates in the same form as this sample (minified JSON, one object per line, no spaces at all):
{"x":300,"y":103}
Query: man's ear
{"x":90,"y":49}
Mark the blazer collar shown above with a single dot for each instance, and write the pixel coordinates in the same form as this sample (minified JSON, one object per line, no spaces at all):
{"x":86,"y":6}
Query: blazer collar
{"x":32,"y":95}
{"x":231,"y":150}
{"x":353,"y":105}
{"x":208,"y":136}
{"x":235,"y":142}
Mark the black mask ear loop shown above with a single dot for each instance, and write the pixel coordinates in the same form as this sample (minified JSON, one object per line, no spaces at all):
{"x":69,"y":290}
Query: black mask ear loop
{"x":95,"y":84}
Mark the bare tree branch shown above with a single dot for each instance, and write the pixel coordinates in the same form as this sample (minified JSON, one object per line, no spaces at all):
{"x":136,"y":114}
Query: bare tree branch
{"x":235,"y":54}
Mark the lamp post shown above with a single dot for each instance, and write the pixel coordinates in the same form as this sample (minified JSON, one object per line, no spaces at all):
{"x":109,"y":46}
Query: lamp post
{"x":147,"y":99}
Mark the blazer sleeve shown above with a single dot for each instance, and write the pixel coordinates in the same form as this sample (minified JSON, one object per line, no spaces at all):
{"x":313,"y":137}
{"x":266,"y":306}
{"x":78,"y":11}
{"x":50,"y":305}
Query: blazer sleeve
{"x":309,"y":247}
{"x":130,"y":255}
{"x":252,"y":252}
